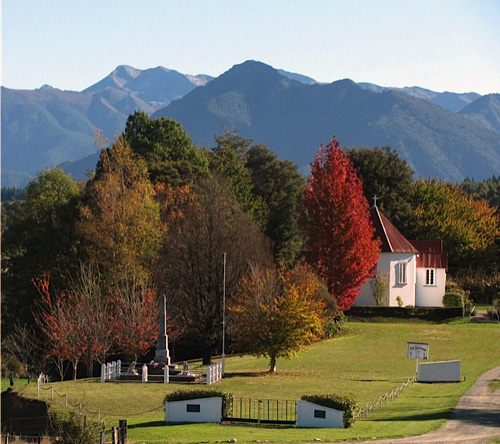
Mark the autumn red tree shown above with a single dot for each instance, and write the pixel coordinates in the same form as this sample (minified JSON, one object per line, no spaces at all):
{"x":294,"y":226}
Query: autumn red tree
{"x":77,"y":322}
{"x":337,"y":220}
{"x":136,"y":319}
{"x":56,"y":319}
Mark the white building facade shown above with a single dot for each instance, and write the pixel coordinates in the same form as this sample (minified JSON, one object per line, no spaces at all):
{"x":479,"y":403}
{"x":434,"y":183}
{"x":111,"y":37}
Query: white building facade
{"x":410,"y":273}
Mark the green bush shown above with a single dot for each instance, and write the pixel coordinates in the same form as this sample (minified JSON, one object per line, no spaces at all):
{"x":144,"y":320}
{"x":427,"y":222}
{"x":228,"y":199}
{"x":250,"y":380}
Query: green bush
{"x":335,"y":324}
{"x":183,"y":395}
{"x":455,"y":296}
{"x":344,"y":403}
{"x":435,"y":314}
{"x":73,"y":428}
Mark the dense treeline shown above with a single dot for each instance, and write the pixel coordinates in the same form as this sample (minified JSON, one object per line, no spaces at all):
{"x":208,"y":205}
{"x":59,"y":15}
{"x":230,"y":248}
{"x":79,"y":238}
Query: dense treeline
{"x":158,"y":216}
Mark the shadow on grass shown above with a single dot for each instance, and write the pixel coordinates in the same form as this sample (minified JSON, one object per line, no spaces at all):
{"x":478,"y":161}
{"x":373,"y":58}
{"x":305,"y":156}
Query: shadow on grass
{"x":225,"y":424}
{"x":441,"y":414}
{"x":258,"y":426}
{"x":245,"y":374}
{"x":372,"y":380}
{"x":490,"y":418}
{"x":149,"y":424}
{"x":487,"y":418}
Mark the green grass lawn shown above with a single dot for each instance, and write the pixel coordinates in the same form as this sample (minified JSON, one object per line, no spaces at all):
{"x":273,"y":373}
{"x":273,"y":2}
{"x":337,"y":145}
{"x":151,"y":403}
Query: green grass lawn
{"x":367,"y":361}
{"x":6,"y":383}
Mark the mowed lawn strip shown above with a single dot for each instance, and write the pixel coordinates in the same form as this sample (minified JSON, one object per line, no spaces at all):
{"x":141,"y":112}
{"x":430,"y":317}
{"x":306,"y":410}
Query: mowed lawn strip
{"x":367,"y":361}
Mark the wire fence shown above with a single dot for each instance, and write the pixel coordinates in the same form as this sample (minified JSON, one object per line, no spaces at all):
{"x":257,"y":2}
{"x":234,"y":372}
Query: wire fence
{"x":97,"y":413}
{"x":385,"y":398}
{"x":240,"y":414}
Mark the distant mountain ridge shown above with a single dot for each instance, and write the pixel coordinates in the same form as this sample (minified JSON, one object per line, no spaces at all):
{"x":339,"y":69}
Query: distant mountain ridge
{"x":447,"y":100}
{"x":48,"y":126}
{"x":485,"y":111}
{"x":293,"y":119}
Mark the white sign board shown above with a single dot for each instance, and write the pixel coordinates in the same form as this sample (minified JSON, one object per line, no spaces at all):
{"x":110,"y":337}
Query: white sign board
{"x":417,"y":350}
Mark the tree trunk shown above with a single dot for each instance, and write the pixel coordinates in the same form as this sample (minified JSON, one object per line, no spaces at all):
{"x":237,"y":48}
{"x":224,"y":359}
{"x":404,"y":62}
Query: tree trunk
{"x":75,"y":367}
{"x":207,"y":357}
{"x":90,"y":363}
{"x":272,"y":364}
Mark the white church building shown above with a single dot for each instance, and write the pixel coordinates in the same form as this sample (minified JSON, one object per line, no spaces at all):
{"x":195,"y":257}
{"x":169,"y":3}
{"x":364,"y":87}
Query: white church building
{"x":414,"y":272}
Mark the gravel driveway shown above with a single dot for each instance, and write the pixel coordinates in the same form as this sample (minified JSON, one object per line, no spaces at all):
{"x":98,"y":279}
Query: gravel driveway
{"x":476,"y":419}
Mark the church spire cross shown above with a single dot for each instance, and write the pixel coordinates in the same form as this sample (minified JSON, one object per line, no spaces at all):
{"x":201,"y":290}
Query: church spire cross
{"x":374,"y":201}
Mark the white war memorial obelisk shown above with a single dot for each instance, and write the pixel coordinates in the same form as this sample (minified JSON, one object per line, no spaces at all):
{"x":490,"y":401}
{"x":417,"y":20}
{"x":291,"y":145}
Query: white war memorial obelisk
{"x":162,"y":354}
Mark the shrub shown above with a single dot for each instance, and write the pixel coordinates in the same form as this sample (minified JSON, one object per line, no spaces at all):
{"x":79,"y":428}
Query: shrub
{"x":455,"y":296}
{"x":344,"y":403}
{"x":183,"y":395}
{"x":379,"y":285}
{"x":335,"y":324}
{"x":72,"y":428}
{"x":399,"y":301}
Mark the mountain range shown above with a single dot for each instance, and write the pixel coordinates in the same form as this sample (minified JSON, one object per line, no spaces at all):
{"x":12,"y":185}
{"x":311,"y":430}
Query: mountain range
{"x":445,"y":135}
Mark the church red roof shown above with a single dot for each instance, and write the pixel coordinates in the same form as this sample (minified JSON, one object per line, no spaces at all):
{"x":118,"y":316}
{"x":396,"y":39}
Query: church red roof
{"x":430,"y":254}
{"x":392,"y":241}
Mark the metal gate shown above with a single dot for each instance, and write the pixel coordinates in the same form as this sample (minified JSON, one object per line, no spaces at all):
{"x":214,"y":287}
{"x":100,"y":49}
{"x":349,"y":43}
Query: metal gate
{"x":263,"y":411}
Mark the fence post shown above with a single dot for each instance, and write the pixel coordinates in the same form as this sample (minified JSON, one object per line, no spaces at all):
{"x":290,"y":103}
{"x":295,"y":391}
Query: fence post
{"x":123,"y":431}
{"x":166,"y":374}
{"x":103,"y":372}
{"x":366,"y":408}
{"x":119,"y":367}
{"x":144,"y":373}
{"x":38,"y":387}
{"x":114,"y":432}
{"x":209,"y":374}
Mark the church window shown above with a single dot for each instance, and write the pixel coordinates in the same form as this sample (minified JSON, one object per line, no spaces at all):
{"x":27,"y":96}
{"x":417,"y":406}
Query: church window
{"x":402,"y":273}
{"x":430,"y":276}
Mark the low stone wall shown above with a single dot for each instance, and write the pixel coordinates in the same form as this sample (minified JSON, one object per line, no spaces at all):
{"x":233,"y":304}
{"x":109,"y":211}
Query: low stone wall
{"x":314,"y":415}
{"x":194,"y":410}
{"x":440,"y":371}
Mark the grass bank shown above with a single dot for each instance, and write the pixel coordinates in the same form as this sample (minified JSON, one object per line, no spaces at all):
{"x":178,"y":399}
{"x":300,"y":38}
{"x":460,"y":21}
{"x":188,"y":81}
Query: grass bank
{"x":6,"y":382}
{"x":368,"y":361}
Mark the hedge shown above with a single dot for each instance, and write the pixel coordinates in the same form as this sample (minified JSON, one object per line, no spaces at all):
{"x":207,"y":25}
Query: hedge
{"x":424,"y":313}
{"x":344,"y":403}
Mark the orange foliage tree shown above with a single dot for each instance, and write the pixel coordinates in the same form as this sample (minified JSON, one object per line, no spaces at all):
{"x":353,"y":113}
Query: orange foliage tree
{"x":278,"y":313}
{"x":120,"y":219}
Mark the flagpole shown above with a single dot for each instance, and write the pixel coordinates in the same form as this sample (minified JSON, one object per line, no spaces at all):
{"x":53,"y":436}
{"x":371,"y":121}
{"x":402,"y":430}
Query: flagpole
{"x":224,"y":318}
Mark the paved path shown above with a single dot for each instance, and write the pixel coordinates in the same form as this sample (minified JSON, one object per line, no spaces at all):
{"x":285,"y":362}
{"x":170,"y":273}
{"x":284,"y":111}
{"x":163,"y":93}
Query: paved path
{"x":476,"y":419}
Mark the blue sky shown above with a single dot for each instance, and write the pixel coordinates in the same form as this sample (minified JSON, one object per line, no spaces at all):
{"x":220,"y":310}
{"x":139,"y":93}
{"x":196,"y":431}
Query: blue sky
{"x":451,"y":45}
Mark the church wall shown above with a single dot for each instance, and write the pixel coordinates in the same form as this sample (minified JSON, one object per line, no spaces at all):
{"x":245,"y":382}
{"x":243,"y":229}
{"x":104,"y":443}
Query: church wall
{"x":430,"y":295}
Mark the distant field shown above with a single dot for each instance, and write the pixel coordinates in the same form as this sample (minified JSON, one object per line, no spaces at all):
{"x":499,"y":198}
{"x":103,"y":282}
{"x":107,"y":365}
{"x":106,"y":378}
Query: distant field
{"x":6,"y":383}
{"x":369,"y":360}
